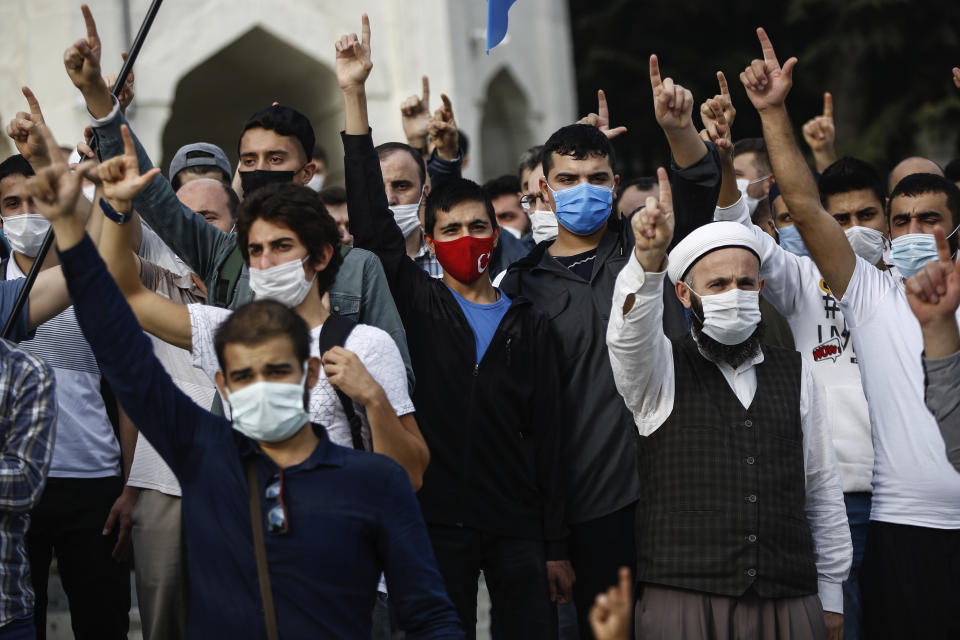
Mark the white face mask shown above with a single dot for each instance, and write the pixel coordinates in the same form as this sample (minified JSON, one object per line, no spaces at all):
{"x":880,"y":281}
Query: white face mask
{"x":866,"y":242}
{"x":316,"y":182}
{"x":269,"y":411}
{"x":742,"y":184}
{"x":732,"y":316}
{"x":407,"y":215}
{"x":543,"y":225}
{"x":26,"y":232}
{"x":284,"y":283}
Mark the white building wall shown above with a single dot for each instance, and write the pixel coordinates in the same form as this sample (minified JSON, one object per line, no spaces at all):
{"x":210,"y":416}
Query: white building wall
{"x":443,"y":39}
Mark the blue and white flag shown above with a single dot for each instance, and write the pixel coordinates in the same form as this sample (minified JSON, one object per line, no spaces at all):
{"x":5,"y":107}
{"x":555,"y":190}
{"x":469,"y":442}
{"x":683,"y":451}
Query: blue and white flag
{"x":497,"y":21}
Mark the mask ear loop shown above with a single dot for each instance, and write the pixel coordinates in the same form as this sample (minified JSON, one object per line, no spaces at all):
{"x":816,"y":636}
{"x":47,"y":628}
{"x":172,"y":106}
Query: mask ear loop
{"x":692,"y":310}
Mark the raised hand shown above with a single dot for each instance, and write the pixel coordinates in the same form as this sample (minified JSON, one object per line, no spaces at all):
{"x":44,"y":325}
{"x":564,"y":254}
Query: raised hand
{"x":766,"y":82}
{"x":353,"y":63}
{"x":934,"y":291}
{"x":82,"y":60}
{"x":415,"y":117}
{"x":611,"y":613}
{"x":55,"y":188}
{"x":672,"y":104}
{"x":715,"y":126}
{"x":443,"y":130}
{"x":601,"y":119}
{"x":126,"y":93}
{"x":121,"y":175}
{"x":956,"y":77}
{"x":653,"y":226}
{"x":24,"y":129}
{"x":819,"y":132}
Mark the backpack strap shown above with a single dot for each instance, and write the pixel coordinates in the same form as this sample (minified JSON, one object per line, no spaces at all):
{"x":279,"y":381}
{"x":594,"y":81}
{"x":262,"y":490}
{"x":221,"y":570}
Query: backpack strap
{"x":227,"y":280}
{"x":260,"y":549}
{"x":334,"y":333}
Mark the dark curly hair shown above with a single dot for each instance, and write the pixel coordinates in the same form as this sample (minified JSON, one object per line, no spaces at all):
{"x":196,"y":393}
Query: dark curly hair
{"x":299,"y":208}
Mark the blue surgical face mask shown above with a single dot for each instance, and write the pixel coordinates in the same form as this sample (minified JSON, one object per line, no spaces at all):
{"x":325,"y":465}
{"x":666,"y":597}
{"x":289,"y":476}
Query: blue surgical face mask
{"x":912,"y":251}
{"x":792,"y":241}
{"x":583,"y":209}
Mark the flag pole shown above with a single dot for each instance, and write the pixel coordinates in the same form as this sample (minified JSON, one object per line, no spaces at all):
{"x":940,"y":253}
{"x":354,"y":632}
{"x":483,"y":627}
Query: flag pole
{"x":48,"y":239}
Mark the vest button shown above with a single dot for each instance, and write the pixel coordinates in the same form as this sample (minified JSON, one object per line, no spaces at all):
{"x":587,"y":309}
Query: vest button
{"x":751,"y":459}
{"x":336,"y":307}
{"x":752,"y":538}
{"x":748,"y":423}
{"x":751,"y":498}
{"x":752,"y":573}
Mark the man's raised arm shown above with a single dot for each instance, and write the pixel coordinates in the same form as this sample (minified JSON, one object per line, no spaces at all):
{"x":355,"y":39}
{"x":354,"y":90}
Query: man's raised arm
{"x":640,"y":353}
{"x":166,"y":416}
{"x":198,"y":243}
{"x":695,"y":165}
{"x":164,"y":318}
{"x":371,"y":222}
{"x":767,"y":85}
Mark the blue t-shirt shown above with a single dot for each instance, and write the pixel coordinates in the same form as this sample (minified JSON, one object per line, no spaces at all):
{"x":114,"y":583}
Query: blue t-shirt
{"x":9,"y":290}
{"x":483,"y":319}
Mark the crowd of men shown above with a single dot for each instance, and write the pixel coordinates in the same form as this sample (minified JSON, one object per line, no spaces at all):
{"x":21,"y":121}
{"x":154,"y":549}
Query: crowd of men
{"x":718,"y":402}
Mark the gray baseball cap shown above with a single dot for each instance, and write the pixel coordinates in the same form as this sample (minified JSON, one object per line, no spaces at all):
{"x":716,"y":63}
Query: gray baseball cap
{"x":199,"y":154}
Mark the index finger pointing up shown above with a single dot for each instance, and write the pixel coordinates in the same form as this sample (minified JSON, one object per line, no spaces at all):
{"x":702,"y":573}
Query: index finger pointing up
{"x":365,"y":30}
{"x":724,"y":89}
{"x":602,"y":110}
{"x":943,"y":249}
{"x":91,"y":24}
{"x":655,"y":80}
{"x":827,"y":105}
{"x":769,"y":55}
{"x":426,"y":91}
{"x":666,"y":195}
{"x":128,"y":147}
{"x":32,"y":101}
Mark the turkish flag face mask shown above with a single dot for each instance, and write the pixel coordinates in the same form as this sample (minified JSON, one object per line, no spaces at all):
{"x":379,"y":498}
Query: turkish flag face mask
{"x":466,"y":258}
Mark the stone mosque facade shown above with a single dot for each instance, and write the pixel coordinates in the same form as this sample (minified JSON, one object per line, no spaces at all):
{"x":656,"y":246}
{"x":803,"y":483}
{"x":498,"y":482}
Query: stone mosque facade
{"x":208,"y":64}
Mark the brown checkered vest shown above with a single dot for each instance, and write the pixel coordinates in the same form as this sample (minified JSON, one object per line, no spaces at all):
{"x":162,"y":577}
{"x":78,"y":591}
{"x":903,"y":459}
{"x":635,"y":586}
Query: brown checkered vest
{"x":723,"y":491}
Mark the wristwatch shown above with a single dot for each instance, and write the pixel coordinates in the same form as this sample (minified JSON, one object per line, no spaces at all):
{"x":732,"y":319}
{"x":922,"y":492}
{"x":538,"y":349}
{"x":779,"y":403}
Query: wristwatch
{"x":113,"y":214}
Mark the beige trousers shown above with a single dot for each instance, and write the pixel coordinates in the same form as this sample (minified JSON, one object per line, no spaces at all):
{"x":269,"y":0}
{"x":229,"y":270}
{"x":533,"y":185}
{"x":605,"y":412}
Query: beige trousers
{"x":674,"y":614}
{"x":160,"y":566}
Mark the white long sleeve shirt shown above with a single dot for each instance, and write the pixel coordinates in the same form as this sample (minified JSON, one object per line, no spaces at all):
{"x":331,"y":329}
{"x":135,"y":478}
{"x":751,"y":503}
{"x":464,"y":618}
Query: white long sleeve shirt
{"x":642,"y":360}
{"x":794,"y":286}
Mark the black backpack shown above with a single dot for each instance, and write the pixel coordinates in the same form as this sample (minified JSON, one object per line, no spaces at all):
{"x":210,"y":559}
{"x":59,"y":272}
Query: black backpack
{"x":334,"y":333}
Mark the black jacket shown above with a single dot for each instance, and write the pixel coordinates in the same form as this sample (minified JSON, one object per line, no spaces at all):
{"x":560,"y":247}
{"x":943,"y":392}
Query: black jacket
{"x":599,"y":452}
{"x":493,"y":427}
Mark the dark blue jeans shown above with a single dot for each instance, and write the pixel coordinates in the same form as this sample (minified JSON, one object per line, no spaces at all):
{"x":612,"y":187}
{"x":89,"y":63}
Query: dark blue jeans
{"x":858,"y":515}
{"x":20,"y":629}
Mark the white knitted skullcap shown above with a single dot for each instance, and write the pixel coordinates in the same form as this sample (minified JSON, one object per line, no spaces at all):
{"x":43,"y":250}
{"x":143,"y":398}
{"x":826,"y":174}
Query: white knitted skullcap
{"x":703,"y":240}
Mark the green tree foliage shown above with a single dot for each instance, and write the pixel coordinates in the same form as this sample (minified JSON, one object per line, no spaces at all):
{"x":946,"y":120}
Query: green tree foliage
{"x":887,"y":62}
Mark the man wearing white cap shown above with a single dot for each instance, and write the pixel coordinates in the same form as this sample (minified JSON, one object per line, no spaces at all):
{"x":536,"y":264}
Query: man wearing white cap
{"x":741,"y":522}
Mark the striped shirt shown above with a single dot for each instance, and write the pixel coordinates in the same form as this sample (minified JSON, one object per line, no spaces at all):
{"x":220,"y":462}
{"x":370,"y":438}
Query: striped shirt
{"x":86,"y":444}
{"x":28,"y":417}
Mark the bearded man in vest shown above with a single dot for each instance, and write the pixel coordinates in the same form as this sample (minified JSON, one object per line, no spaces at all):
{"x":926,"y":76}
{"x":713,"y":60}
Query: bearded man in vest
{"x":741,"y":527}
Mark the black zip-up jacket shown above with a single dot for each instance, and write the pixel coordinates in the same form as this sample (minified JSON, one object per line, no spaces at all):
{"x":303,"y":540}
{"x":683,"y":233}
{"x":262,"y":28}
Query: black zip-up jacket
{"x":599,"y":452}
{"x":493,"y":427}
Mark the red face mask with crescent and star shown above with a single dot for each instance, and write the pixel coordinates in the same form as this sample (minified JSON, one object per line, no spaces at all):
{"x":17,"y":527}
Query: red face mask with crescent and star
{"x":466,"y":258}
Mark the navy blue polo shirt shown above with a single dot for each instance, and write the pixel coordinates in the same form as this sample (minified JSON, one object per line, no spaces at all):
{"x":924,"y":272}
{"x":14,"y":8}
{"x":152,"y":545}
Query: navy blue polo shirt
{"x":351,"y":514}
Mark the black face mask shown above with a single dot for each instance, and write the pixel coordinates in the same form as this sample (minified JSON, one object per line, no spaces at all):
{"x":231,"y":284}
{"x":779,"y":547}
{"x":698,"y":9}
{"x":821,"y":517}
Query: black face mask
{"x":253,"y":180}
